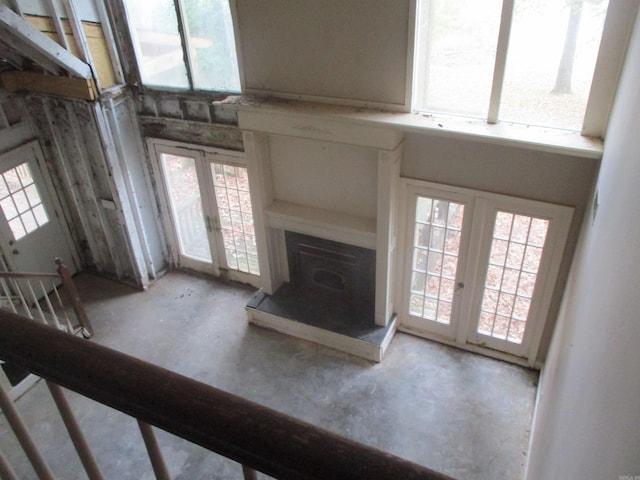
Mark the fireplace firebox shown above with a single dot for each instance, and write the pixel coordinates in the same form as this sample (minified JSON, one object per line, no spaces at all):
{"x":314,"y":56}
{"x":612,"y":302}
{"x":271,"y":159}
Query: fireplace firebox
{"x":324,"y":271}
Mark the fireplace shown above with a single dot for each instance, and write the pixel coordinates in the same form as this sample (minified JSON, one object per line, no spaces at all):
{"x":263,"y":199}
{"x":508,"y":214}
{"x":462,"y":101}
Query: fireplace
{"x":325,"y":201}
{"x":329,"y":297}
{"x":333,"y":273}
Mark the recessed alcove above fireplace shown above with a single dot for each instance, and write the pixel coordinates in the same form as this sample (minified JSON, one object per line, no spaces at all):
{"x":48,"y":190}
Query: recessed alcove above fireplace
{"x":324,"y":188}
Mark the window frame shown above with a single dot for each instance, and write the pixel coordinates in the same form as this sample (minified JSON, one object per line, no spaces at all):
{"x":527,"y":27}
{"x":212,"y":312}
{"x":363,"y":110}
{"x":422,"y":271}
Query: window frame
{"x":186,"y":50}
{"x":618,"y":26}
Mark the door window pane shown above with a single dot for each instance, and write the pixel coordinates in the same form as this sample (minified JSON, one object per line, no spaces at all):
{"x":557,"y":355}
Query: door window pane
{"x":516,"y":251}
{"x":456,"y":49}
{"x":551,"y":59}
{"x":231,"y":185}
{"x":436,"y":245}
{"x":186,"y":206}
{"x":21,"y":202}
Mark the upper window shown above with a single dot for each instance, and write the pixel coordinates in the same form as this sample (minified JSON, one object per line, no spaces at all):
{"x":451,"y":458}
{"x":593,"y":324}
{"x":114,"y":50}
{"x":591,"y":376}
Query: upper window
{"x":520,"y":61}
{"x":186,"y":44}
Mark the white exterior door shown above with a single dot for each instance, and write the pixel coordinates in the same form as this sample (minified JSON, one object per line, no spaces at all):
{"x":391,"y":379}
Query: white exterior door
{"x":479,"y":268}
{"x":208,"y":203}
{"x":32,"y":234}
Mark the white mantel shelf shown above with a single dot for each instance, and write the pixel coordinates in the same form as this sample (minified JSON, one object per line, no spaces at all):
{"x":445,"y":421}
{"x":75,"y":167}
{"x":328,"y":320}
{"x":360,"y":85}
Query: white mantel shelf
{"x":321,"y":223}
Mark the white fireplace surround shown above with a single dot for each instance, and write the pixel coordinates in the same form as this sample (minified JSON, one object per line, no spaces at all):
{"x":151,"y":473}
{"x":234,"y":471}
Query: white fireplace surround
{"x":331,"y":179}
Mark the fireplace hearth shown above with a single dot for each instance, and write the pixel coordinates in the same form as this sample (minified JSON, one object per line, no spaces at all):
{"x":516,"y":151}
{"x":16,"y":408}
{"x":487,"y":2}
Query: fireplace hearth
{"x":330,"y":297}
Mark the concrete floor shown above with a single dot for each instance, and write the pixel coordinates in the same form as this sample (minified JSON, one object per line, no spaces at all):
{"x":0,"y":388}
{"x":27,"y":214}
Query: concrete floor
{"x":460,"y":413}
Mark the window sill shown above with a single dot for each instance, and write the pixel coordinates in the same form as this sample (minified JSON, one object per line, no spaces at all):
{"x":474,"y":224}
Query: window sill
{"x":563,"y":142}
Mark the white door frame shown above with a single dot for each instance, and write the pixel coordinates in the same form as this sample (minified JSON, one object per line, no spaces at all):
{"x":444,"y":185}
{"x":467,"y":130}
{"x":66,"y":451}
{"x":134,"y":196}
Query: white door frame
{"x":51,"y":193}
{"x":480,"y":210}
{"x":205,"y":157}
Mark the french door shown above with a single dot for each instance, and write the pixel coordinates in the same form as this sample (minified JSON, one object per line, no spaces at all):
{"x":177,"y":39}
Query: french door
{"x":480,"y":268}
{"x":208,"y":204}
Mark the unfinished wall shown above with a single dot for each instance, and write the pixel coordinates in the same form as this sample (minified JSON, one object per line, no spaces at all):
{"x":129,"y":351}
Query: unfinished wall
{"x":586,"y":420}
{"x":85,"y":173}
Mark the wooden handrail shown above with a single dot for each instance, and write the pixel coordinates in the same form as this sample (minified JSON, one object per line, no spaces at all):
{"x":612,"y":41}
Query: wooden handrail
{"x":253,"y":435}
{"x":29,"y":276}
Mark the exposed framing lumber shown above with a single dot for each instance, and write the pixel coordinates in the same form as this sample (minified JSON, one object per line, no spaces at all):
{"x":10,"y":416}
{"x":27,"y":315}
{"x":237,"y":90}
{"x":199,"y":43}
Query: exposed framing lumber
{"x":81,"y":88}
{"x":28,"y":40}
{"x":79,"y":35}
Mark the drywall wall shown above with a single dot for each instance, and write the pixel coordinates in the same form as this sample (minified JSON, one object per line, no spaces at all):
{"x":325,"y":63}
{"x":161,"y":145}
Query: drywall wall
{"x":587,"y":418}
{"x":332,"y":176}
{"x":354,"y":49}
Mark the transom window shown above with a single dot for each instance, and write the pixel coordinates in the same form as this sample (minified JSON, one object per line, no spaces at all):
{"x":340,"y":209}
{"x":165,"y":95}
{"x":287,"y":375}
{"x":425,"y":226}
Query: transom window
{"x":185,"y":44}
{"x":520,"y":61}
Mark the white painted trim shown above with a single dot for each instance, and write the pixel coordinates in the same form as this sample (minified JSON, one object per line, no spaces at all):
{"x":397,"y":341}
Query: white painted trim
{"x":411,"y":55}
{"x":321,"y":223}
{"x":389,"y":107}
{"x":395,"y":125}
{"x":233,"y":5}
{"x":232,"y":156}
{"x":19,"y":33}
{"x":79,"y":36}
{"x":302,"y":125}
{"x":616,"y":34}
{"x":110,"y":41}
{"x":481,"y":210}
{"x":55,"y":16}
{"x":499,"y":66}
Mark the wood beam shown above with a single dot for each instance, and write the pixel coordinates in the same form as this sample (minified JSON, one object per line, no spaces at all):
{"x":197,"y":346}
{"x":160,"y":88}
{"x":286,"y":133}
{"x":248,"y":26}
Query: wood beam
{"x":26,"y":39}
{"x":81,"y":88}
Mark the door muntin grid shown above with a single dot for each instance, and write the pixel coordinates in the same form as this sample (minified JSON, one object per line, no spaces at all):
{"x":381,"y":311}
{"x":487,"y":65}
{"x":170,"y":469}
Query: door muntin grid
{"x":514,"y":260}
{"x":231,"y":184}
{"x":21,"y":201}
{"x":436,"y":247}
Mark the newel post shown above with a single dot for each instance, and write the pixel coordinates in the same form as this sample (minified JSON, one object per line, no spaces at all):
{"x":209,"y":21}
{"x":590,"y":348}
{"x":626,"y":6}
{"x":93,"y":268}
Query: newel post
{"x":78,"y":308}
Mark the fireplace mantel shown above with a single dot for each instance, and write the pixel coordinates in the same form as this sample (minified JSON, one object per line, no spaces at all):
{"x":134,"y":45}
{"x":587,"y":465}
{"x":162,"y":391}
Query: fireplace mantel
{"x":336,"y":180}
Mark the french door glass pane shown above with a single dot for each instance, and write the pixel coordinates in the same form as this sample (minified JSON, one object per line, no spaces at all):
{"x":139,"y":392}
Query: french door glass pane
{"x":516,"y":251}
{"x":456,"y":50}
{"x":437,"y":235}
{"x":553,"y":48}
{"x":231,"y":185}
{"x":186,"y":206}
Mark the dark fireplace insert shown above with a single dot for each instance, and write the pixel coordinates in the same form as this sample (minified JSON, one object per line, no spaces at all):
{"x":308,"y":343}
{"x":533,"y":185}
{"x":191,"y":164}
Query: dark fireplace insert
{"x":333,"y":273}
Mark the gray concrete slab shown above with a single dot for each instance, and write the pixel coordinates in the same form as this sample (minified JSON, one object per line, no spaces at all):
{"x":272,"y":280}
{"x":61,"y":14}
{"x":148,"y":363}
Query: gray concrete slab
{"x":457,"y":412}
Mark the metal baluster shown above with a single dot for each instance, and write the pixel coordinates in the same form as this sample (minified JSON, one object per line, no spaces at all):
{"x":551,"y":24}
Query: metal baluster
{"x":75,"y":433}
{"x":153,"y":449}
{"x":6,"y":471}
{"x":22,"y":434}
{"x":67,"y":320}
{"x":52,"y":311}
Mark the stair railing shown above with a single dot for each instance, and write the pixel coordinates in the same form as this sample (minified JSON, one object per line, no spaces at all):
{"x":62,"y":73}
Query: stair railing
{"x":258,"y":438}
{"x":50,"y":298}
